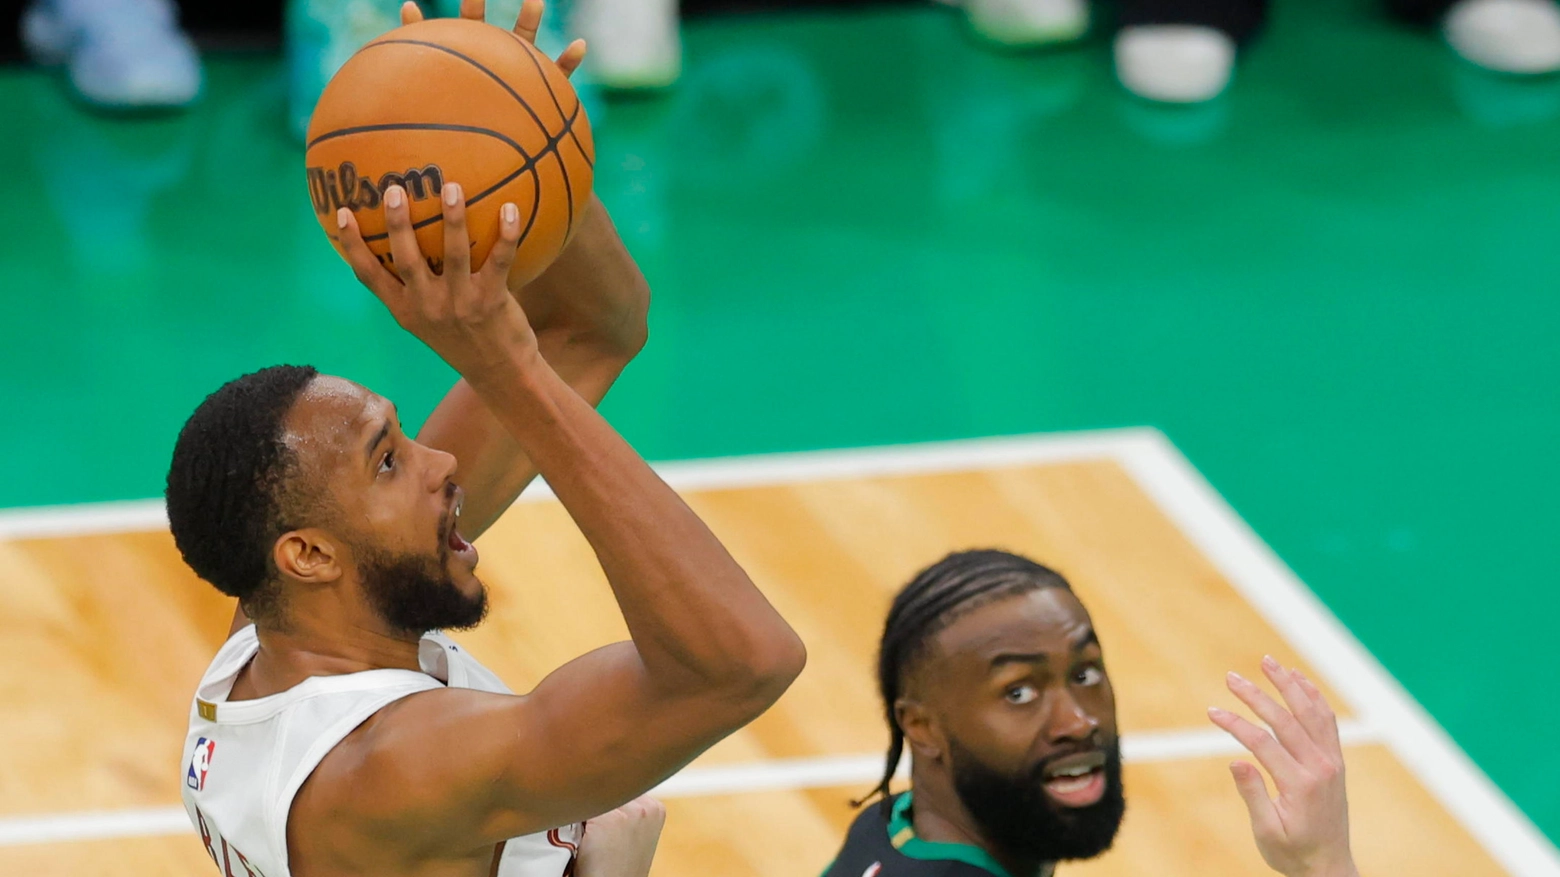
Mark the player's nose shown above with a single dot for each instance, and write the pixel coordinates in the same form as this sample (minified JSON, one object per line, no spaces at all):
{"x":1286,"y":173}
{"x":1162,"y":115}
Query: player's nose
{"x":1069,"y":720}
{"x":441,"y":469}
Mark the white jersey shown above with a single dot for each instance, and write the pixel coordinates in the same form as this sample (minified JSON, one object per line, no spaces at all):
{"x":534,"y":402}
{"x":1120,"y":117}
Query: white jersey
{"x":245,"y":760}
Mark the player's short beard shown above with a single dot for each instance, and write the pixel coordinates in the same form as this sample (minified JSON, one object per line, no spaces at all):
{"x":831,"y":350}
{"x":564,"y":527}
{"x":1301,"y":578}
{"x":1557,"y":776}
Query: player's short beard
{"x":1020,"y":819}
{"x":414,"y":593}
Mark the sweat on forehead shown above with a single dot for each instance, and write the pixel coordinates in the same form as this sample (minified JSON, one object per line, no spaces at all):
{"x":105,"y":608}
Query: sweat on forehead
{"x":330,"y":414}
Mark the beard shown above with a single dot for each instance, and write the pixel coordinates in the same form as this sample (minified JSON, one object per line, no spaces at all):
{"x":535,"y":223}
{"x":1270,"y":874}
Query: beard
{"x":1017,"y":816}
{"x":415,"y":593}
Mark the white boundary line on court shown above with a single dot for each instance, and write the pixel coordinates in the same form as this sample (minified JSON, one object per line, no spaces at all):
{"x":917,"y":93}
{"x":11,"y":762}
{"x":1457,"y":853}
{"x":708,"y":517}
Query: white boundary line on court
{"x":1386,"y":711}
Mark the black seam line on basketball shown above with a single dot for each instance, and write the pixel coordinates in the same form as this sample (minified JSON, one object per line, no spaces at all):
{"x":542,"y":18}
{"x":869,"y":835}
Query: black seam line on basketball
{"x":530,"y":164}
{"x":480,"y":66}
{"x":563,"y":170}
{"x":589,"y":162}
{"x":418,"y":126}
{"x":532,"y":53}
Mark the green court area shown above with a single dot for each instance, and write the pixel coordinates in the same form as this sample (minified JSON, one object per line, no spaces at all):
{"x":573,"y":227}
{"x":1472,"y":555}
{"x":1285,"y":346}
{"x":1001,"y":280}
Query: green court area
{"x":1335,"y":290}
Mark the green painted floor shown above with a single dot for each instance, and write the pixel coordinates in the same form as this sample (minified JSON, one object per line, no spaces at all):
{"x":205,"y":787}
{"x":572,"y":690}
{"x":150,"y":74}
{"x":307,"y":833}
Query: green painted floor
{"x":1335,"y":290}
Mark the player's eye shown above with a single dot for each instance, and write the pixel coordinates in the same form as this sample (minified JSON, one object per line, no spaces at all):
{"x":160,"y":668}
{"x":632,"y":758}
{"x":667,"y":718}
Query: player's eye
{"x":387,"y":462}
{"x":1021,"y":694}
{"x":1089,"y":675}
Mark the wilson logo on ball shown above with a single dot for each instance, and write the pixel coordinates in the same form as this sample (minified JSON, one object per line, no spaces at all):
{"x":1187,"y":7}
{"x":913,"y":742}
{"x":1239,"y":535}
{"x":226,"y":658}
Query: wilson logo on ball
{"x":332,"y":189}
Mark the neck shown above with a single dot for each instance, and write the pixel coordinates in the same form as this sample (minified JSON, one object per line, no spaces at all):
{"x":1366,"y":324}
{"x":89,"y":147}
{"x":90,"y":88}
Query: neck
{"x":939,"y":816}
{"x":321,"y":645}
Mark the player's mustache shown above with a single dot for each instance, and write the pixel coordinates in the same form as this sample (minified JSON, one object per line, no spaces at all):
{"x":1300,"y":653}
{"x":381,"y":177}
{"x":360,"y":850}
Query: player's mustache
{"x":1037,"y":771}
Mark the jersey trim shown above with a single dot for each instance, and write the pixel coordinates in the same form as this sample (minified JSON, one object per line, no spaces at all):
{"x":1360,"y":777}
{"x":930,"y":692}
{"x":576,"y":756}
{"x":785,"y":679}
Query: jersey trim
{"x":901,"y":834}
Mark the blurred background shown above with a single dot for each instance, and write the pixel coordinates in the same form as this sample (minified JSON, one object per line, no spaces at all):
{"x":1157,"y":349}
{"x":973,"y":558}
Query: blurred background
{"x":1312,"y":241}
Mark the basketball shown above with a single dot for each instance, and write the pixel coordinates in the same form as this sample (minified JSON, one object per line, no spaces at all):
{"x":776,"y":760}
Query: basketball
{"x":451,"y":100}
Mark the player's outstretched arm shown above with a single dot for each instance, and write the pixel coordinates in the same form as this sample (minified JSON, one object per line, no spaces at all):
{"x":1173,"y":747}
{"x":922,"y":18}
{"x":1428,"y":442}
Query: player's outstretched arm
{"x":1304,"y":831}
{"x":455,"y":768}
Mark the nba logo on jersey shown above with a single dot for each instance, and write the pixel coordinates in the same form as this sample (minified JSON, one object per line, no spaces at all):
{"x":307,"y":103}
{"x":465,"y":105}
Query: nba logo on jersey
{"x":872,"y":869}
{"x":200,"y":762}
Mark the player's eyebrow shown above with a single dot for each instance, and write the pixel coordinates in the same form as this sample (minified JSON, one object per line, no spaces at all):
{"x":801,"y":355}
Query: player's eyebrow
{"x":1019,"y":658}
{"x":368,"y":449}
{"x":1085,"y":639}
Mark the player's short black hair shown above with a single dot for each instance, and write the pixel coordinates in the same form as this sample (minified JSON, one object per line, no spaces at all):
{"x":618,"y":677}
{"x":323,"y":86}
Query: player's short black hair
{"x":226,"y":498}
{"x":939,"y":594}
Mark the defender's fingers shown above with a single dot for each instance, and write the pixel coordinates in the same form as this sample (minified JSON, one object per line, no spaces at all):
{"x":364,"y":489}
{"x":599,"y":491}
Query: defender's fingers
{"x":502,"y":256}
{"x":1264,"y":816}
{"x":410,"y":265}
{"x":1285,"y":726}
{"x":457,"y":244}
{"x":570,"y":58}
{"x":473,"y":10}
{"x":411,"y":13}
{"x":530,"y":20}
{"x":1325,"y":730}
{"x":1269,"y":752}
{"x":1299,"y":703}
{"x":364,"y":263}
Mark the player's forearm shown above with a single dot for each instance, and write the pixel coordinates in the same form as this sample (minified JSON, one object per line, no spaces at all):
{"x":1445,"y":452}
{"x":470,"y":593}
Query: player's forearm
{"x":695,"y":616}
{"x":593,"y":296}
{"x":493,"y":467}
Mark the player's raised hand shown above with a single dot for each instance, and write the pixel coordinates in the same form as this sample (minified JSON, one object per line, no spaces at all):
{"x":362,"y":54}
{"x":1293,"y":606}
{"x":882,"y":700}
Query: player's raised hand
{"x":1304,"y":830}
{"x":622,"y":843}
{"x":467,"y":317}
{"x":526,"y":27}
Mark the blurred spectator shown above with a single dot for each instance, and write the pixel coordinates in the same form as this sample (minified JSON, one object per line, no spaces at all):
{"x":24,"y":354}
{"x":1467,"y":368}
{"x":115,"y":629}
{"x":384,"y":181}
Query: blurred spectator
{"x":633,"y":43}
{"x":120,"y":54}
{"x":1184,"y":50}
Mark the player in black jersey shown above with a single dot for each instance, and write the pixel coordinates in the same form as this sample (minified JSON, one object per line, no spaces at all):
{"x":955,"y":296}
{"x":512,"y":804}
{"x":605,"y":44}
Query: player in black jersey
{"x":992,"y":674}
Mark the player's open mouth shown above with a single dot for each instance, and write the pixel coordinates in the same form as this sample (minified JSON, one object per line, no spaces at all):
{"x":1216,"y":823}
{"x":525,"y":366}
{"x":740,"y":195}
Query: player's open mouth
{"x":1076,"y":781}
{"x":454,"y":540}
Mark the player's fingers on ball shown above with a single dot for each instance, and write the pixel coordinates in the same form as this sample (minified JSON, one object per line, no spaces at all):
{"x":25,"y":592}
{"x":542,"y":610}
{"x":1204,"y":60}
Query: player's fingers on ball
{"x":457,"y":243}
{"x":530,"y":20}
{"x":569,"y":59}
{"x":1285,"y":726}
{"x":364,"y":265}
{"x":411,"y":13}
{"x":1285,"y":770}
{"x":409,"y":263}
{"x":473,"y":10}
{"x":502,"y":256}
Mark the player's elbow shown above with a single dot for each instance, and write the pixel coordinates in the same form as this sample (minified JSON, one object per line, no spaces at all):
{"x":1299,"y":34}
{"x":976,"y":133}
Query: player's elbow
{"x":770,"y":670}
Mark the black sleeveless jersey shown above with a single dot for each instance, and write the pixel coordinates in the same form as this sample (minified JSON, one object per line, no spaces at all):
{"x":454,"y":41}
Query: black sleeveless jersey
{"x":879,"y":847}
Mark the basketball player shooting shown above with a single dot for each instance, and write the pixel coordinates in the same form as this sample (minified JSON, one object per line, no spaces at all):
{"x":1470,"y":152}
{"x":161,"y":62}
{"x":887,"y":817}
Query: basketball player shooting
{"x":339,"y":733}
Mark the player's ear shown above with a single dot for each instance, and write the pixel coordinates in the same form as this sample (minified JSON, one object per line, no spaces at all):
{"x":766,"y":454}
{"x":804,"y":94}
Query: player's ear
{"x":920,"y":728}
{"x":309,"y":555}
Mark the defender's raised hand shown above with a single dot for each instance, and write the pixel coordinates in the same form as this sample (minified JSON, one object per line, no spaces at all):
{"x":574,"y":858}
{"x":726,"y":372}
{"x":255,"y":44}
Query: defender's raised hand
{"x":1304,"y":831}
{"x":526,"y":26}
{"x":468,"y":318}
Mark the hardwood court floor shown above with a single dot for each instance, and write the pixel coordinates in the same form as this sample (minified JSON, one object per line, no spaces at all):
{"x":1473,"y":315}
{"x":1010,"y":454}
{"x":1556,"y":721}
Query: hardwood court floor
{"x":103,"y":637}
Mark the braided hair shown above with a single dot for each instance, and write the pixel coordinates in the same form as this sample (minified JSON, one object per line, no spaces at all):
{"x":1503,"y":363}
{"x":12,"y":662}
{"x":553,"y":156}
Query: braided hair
{"x":939,"y":594}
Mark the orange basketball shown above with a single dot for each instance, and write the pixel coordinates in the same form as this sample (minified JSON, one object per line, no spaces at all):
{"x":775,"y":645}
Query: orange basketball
{"x":451,"y":100}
